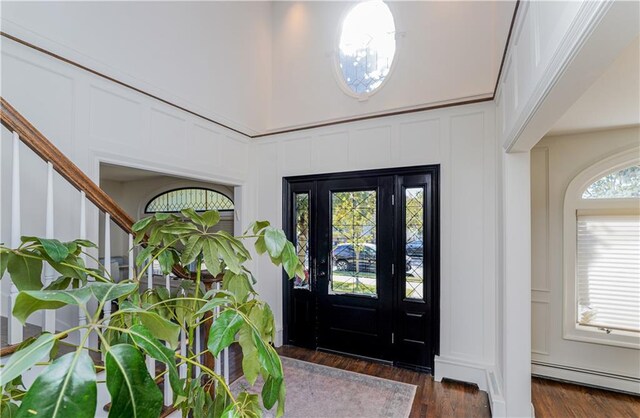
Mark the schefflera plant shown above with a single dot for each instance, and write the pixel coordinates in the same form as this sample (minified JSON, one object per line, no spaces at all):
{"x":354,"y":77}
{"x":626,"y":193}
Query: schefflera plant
{"x":147,"y":325}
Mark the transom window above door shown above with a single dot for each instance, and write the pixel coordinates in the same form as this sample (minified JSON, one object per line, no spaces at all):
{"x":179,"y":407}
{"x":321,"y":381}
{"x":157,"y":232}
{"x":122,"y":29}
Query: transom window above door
{"x":199,"y":199}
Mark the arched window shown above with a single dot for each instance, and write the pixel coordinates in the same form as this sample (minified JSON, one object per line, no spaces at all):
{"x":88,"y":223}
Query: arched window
{"x":602,"y":253}
{"x":621,"y":184}
{"x":367,"y":47}
{"x":199,"y":199}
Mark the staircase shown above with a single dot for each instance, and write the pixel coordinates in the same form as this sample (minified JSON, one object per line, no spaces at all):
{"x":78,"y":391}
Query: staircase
{"x":57,"y":164}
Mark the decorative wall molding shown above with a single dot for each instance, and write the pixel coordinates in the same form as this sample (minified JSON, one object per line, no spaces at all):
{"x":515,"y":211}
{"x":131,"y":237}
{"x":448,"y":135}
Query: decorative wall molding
{"x":582,"y":26}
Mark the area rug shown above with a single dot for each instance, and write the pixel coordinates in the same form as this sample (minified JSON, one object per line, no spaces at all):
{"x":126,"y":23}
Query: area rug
{"x":316,"y":391}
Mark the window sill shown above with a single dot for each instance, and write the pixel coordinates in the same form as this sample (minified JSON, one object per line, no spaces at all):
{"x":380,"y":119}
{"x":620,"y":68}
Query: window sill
{"x":592,"y":335}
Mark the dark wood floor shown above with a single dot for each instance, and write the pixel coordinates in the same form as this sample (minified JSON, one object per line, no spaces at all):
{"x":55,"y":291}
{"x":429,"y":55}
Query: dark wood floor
{"x":559,"y":399}
{"x":452,"y":399}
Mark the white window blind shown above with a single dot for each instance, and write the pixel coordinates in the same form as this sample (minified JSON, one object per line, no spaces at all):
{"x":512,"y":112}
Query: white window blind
{"x":608,"y":271}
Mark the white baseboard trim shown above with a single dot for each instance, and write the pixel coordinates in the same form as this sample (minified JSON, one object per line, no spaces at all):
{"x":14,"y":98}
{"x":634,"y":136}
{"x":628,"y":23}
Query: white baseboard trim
{"x":496,"y":399}
{"x":462,"y":370}
{"x":477,"y":373}
{"x":597,"y":379}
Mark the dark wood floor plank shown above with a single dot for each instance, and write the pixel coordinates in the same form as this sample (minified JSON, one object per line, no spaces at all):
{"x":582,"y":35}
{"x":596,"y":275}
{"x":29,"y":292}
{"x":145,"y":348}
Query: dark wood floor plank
{"x":560,"y":399}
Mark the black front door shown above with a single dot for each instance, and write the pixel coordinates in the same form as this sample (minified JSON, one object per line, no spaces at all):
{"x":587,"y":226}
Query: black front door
{"x":369,"y":241}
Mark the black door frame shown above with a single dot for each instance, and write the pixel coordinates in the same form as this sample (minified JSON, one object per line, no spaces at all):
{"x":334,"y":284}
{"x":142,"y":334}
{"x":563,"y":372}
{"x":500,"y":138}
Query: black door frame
{"x":433,"y":250}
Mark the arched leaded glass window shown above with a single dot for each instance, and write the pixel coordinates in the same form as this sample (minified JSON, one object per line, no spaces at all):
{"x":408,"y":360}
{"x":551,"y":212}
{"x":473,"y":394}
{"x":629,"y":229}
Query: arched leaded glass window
{"x":200,"y":200}
{"x":622,"y":184}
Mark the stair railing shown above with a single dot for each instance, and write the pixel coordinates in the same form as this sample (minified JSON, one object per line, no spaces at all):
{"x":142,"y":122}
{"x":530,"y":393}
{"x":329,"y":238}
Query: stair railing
{"x":23,"y":131}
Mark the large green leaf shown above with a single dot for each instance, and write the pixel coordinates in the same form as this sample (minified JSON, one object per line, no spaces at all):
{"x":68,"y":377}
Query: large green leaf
{"x":250,"y":361}
{"x":22,"y":360}
{"x":143,"y":338}
{"x":211,"y":218}
{"x":67,"y":388}
{"x":256,"y":226}
{"x":227,"y":253}
{"x":56,"y":250}
{"x":238,"y":284}
{"x":236,"y":244}
{"x":193,"y":215}
{"x":211,"y":258}
{"x":141,"y":224}
{"x":262,"y":318}
{"x":223,"y":330}
{"x":4,"y":259}
{"x":25,"y":271}
{"x":167,"y":260}
{"x":134,"y":394}
{"x":31,"y":301}
{"x":260,"y":245}
{"x":275,"y":241}
{"x":160,"y":328}
{"x":268,"y":357}
{"x":85,"y":243}
{"x":217,"y":301}
{"x":72,"y":266}
{"x":271,"y":391}
{"x":290,"y":259}
{"x":110,"y":291}
{"x":191,"y":249}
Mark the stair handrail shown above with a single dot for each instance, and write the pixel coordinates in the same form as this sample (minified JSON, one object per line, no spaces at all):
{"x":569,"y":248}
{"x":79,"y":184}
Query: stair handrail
{"x":34,"y":139}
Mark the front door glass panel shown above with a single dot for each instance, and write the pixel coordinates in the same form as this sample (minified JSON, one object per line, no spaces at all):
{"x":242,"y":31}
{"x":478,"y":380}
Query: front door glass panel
{"x":353,"y":243}
{"x":414,"y":243}
{"x":301,"y":211}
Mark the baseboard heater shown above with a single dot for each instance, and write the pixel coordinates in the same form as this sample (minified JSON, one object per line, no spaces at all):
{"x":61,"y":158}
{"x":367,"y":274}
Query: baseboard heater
{"x":587,"y":372}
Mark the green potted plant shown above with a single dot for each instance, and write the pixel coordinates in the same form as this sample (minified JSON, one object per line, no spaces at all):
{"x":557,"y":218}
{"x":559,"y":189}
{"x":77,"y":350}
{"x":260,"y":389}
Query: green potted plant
{"x":147,"y":324}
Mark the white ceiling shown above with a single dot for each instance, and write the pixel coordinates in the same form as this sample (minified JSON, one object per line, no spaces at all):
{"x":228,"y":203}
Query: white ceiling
{"x":262,"y":66}
{"x":612,"y":101}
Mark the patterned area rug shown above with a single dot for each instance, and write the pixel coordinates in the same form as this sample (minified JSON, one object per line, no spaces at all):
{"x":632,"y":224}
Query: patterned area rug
{"x":315,"y":391}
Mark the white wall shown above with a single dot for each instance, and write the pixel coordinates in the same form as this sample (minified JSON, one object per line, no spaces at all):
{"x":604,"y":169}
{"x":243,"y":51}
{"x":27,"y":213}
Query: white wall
{"x":201,"y":55}
{"x":555,"y":161}
{"x":91,"y":121}
{"x":437,"y":44}
{"x":462,"y":141}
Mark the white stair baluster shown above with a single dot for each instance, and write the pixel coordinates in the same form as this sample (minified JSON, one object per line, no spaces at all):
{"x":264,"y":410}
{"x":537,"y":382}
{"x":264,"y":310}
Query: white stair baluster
{"x":225,"y":365}
{"x":216,"y":313}
{"x":151,"y":364}
{"x":15,"y":327}
{"x":168,"y":394}
{"x":197,"y":350}
{"x":150,"y":275}
{"x":49,"y":316}
{"x":131,"y":258}
{"x":107,"y":258}
{"x":183,"y":349}
{"x":82,"y":317}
